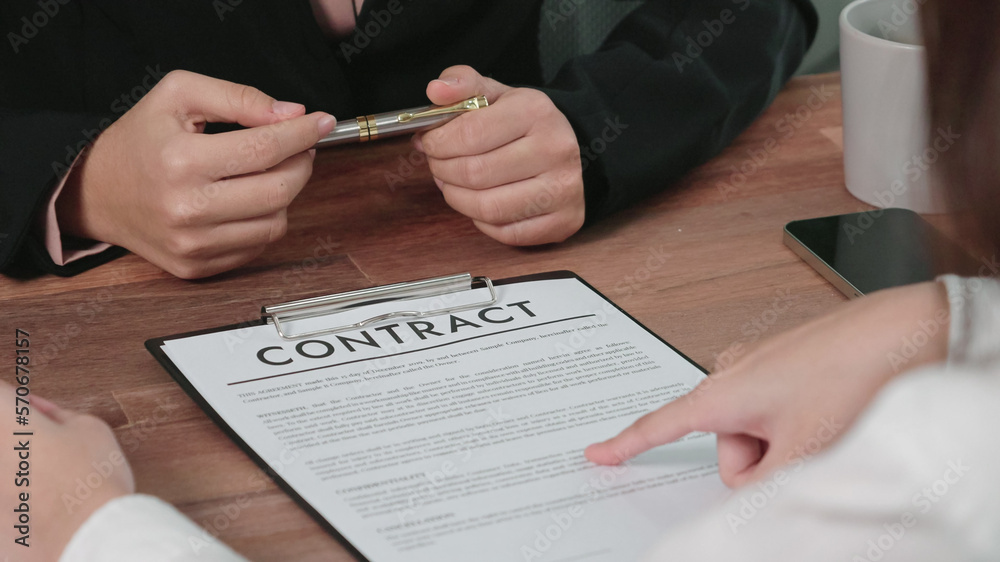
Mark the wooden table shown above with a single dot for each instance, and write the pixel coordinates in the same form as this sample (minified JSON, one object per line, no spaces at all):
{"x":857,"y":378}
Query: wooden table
{"x":702,"y":264}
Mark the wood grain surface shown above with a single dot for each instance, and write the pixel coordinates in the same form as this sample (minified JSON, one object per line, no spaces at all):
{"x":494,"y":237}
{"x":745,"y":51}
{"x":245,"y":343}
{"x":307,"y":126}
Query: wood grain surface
{"x":702,"y":264}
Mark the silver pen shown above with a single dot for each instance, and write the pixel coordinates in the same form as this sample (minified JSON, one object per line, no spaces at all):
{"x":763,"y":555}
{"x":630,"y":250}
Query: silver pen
{"x":371,"y":127}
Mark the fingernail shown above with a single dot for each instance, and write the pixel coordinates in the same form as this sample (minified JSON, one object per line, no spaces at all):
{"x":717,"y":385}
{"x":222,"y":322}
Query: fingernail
{"x":418,"y":144}
{"x":439,"y":183}
{"x":326,"y":124}
{"x":449,"y":81}
{"x":287,"y":107}
{"x":312,"y":153}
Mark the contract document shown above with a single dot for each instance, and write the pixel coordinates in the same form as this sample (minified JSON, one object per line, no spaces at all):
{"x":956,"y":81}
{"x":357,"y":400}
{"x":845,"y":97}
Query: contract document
{"x":460,"y":436}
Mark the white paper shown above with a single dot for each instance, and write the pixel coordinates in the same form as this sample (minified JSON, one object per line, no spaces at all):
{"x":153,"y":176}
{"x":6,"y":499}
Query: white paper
{"x":468,"y":445}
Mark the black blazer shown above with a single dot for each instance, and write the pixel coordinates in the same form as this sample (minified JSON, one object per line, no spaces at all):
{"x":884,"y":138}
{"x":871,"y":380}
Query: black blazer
{"x":69,"y":70}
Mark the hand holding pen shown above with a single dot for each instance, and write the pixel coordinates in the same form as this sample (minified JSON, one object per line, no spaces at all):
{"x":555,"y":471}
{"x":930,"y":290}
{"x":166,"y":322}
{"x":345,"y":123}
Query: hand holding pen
{"x":193,"y":204}
{"x":514,"y":167}
{"x":512,"y":164}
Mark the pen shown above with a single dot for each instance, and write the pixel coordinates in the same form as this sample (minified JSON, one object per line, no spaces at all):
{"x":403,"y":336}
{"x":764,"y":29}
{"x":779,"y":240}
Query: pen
{"x":370,"y":127}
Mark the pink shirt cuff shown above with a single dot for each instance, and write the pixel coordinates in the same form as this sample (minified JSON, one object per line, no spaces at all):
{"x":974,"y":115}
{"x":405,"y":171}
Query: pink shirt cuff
{"x":68,"y":249}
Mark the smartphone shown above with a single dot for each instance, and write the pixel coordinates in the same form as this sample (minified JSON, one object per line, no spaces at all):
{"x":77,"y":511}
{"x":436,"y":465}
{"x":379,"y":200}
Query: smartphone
{"x":861,"y":253}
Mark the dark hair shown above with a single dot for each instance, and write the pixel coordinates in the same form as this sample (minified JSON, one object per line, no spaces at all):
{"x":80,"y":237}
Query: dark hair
{"x":962,"y":39}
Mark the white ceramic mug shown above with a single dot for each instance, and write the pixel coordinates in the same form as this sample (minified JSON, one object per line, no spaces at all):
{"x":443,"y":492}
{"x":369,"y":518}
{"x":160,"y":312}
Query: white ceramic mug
{"x":889,"y":151}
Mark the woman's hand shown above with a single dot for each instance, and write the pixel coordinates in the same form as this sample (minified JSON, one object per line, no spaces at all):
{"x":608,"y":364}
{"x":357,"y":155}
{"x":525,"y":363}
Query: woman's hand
{"x":74,"y":466}
{"x":795,"y":394}
{"x":513,"y":167}
{"x":191,"y":203}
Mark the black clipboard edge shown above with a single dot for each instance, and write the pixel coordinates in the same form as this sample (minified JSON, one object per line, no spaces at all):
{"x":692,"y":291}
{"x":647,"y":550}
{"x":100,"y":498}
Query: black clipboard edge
{"x":566,"y":274}
{"x":155,"y":347}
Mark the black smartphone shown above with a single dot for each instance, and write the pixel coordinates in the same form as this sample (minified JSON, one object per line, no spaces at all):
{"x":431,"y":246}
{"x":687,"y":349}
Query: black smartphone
{"x":861,"y":253}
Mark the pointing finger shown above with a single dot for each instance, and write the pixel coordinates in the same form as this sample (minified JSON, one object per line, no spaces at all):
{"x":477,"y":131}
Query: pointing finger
{"x":706,"y":408}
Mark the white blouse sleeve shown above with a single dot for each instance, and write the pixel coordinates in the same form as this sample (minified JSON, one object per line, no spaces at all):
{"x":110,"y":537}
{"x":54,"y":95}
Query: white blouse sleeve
{"x":975,"y":320}
{"x":913,"y":480}
{"x":140,"y":527}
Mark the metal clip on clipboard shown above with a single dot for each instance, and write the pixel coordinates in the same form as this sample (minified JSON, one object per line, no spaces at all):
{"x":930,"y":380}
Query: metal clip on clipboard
{"x":332,"y":304}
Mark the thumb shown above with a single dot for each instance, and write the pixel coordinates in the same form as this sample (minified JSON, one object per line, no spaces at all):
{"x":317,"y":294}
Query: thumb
{"x":203,"y":99}
{"x":740,"y":456}
{"x":458,"y":83}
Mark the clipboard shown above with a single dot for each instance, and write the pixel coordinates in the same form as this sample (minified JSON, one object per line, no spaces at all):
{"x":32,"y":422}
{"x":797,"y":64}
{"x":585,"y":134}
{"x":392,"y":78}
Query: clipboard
{"x":280,"y":315}
{"x":328,"y":305}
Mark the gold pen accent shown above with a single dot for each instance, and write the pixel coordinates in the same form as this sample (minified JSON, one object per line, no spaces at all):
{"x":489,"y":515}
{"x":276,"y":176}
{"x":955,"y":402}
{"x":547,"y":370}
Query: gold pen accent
{"x":367,"y":128}
{"x":466,"y":105}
